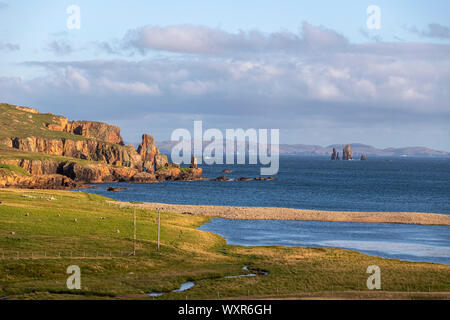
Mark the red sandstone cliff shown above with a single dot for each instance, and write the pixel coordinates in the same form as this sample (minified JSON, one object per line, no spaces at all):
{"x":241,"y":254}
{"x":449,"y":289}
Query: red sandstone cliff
{"x":100,"y":145}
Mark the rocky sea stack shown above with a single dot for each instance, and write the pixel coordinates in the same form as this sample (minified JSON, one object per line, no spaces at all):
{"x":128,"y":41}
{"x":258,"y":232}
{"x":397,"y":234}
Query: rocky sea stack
{"x":48,"y":151}
{"x":346,"y":153}
{"x":335,"y":155}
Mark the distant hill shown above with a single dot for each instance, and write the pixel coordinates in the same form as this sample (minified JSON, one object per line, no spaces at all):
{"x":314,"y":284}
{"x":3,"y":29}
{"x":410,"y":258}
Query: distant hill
{"x":357,"y":148}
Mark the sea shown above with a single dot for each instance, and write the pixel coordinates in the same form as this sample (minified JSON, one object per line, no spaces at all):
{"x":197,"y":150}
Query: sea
{"x":379,"y":184}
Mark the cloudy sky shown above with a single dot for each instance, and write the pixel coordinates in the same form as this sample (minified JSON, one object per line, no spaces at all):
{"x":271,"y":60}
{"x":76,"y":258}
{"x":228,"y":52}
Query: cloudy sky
{"x":313,"y":69}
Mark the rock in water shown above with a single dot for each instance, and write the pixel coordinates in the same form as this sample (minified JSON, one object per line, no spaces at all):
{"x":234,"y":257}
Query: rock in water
{"x":335,"y":155}
{"x":363,"y":157}
{"x":193,"y":162}
{"x":347,"y":153}
{"x":113,"y":189}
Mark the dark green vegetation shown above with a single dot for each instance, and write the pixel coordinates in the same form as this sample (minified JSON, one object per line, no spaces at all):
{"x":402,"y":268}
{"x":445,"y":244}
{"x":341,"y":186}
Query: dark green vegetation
{"x":47,"y":239}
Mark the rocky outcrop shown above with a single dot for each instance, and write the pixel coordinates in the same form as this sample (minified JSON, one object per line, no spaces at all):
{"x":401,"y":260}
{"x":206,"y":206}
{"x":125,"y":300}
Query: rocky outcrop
{"x":27,"y":109}
{"x":85,"y":173}
{"x":87,"y":149}
{"x":193,"y":162}
{"x":179,"y":174}
{"x":97,"y":130}
{"x":35,"y":167}
{"x":222,"y":178}
{"x":100,"y":144}
{"x":143,"y":177}
{"x":89,"y":129}
{"x":53,"y":181}
{"x":265,"y":178}
{"x":161,"y":161}
{"x":347,"y":153}
{"x":335,"y":155}
{"x":147,"y":151}
{"x":363,"y":157}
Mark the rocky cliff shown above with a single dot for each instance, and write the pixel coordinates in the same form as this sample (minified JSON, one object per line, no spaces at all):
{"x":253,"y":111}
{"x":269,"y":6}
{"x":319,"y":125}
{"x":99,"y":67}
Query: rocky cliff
{"x":99,"y":146}
{"x":97,"y":130}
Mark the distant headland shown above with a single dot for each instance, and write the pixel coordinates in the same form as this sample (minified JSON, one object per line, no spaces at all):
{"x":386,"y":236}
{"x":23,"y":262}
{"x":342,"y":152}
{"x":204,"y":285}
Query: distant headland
{"x":48,"y":151}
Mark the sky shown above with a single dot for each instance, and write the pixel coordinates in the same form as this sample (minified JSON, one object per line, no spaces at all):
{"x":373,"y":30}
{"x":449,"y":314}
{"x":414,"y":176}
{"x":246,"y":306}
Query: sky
{"x":316,"y":70}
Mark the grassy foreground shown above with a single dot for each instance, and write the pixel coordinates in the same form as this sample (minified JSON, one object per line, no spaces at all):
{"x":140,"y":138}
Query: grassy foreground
{"x":42,"y":232}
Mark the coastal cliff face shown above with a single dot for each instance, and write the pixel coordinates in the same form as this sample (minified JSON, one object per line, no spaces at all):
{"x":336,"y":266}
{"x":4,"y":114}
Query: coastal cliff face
{"x":97,"y":130}
{"x":87,"y":149}
{"x":89,"y":129}
{"x":52,"y":181}
{"x":99,"y":146}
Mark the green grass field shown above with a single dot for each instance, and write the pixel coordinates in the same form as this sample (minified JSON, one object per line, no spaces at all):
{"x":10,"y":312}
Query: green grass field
{"x":47,"y":240}
{"x":21,"y":124}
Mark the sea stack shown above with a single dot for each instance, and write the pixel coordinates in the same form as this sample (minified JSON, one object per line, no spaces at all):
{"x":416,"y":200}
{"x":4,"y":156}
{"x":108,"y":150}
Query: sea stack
{"x":363,"y":157}
{"x":193,"y":162}
{"x":335,"y":155}
{"x":347,"y":153}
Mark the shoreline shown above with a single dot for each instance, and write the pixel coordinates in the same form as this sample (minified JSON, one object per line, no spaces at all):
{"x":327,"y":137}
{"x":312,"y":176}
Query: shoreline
{"x":275,"y":213}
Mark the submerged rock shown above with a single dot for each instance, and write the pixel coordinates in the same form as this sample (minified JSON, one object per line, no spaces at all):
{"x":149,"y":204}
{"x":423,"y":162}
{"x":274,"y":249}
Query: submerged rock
{"x":113,"y":189}
{"x":222,"y":178}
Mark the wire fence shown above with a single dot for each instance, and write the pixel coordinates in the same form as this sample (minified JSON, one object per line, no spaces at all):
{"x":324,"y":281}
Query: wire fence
{"x":9,"y":255}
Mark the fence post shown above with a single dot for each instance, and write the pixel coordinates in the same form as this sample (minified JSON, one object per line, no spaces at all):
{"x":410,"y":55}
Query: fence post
{"x":159,"y":223}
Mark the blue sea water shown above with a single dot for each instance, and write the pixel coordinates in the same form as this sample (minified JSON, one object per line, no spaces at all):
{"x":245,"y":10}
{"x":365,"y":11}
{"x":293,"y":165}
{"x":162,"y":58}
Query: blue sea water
{"x":378,"y":184}
{"x":395,"y":241}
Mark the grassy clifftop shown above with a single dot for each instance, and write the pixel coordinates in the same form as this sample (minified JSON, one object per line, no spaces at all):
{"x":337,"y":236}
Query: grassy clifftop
{"x":17,"y":122}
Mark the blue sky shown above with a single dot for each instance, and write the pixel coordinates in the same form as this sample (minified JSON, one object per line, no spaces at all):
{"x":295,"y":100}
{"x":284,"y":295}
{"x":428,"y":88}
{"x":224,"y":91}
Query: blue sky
{"x":310,"y":68}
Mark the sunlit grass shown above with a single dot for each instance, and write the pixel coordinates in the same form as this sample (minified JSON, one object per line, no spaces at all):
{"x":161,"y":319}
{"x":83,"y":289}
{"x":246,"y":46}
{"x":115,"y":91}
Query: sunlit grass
{"x":48,"y":239}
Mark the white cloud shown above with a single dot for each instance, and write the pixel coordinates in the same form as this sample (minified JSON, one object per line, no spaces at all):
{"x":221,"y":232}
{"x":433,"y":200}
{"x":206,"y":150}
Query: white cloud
{"x":279,"y":77}
{"x":210,"y":41}
{"x":133,"y":88}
